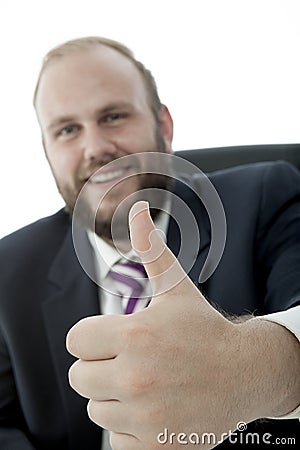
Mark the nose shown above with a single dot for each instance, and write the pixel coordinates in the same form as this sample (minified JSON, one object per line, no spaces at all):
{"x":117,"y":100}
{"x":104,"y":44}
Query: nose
{"x":97,"y":146}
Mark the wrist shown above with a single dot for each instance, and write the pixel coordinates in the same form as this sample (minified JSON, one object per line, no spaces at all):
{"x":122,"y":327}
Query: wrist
{"x":270,"y":357}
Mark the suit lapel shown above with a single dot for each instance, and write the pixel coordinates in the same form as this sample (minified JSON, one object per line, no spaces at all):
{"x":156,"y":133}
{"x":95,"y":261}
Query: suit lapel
{"x":72,"y":296}
{"x":188,"y":233}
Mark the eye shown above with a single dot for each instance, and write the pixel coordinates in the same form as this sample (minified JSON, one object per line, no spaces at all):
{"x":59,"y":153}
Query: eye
{"x":67,"y":130}
{"x":113,"y":117}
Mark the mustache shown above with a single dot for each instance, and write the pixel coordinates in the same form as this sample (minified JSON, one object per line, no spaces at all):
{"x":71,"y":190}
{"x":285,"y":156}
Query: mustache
{"x":90,"y":169}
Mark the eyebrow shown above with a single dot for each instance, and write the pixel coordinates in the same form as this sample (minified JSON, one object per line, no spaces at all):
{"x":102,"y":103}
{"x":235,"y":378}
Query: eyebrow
{"x":60,"y":121}
{"x":63,"y":120}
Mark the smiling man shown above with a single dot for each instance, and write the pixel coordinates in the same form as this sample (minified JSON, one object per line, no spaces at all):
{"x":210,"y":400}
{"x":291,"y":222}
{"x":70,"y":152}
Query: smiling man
{"x":175,"y":363}
{"x":105,"y":111}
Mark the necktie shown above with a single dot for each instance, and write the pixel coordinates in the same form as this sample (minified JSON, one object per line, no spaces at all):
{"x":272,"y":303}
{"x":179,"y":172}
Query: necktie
{"x":130,"y":281}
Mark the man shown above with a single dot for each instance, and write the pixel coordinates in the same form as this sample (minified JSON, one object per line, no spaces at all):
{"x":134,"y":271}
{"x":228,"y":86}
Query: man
{"x":178,"y":364}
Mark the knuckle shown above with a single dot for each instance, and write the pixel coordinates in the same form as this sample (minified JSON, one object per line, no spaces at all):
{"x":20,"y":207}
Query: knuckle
{"x":71,"y":341}
{"x":74,"y":338}
{"x":120,"y":441}
{"x":138,"y":334}
{"x":139,"y":373}
{"x":91,"y":409}
{"x":138,"y":380}
{"x":73,"y":374}
{"x":117,"y":442}
{"x":79,"y":378}
{"x":100,"y":413}
{"x":81,"y":335}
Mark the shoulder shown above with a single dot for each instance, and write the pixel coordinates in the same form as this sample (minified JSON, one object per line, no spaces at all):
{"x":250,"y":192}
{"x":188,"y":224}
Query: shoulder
{"x":249,"y":190}
{"x":276,"y":179}
{"x":255,"y":180}
{"x":26,"y":257}
{"x":269,"y":171}
{"x":47,"y":232}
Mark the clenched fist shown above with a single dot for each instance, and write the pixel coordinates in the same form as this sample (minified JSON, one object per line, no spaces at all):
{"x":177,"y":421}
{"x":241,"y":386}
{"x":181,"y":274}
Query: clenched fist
{"x":177,"y":365}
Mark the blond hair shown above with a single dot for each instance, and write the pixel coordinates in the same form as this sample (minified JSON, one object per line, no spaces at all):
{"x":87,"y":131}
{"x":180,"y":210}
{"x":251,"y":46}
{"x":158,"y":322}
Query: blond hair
{"x":87,"y":42}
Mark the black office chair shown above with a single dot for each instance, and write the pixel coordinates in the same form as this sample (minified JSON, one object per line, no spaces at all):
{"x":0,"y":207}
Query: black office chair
{"x":210,"y":159}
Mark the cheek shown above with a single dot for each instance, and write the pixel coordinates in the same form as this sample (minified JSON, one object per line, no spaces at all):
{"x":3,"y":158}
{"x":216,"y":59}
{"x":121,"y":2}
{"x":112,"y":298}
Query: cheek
{"x":63,"y":164}
{"x":138,"y":139}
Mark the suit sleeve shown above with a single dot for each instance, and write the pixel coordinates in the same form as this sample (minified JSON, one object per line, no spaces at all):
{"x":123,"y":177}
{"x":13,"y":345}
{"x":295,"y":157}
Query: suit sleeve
{"x":278,"y":237}
{"x":12,"y":426}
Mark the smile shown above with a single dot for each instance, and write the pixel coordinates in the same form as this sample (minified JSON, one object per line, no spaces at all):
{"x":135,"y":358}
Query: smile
{"x":107,"y":176}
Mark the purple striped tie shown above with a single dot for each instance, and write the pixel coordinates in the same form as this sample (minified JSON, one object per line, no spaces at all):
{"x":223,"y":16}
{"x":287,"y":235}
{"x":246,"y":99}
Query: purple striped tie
{"x":130,"y":277}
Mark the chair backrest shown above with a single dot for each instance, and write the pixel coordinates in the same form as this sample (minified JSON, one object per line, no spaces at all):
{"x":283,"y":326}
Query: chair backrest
{"x":210,"y":159}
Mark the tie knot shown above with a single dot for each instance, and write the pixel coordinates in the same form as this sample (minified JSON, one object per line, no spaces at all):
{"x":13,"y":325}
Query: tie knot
{"x":130,"y":268}
{"x":130,"y":279}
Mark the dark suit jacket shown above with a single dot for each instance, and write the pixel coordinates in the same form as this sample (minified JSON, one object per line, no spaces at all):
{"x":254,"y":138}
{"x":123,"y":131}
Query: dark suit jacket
{"x":44,"y":291}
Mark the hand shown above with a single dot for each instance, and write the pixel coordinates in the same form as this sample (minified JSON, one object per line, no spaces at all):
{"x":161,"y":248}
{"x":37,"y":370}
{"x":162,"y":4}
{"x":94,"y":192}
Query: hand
{"x":178,"y":365}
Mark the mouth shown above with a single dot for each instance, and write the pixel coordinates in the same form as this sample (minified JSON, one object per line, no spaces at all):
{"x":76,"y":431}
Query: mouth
{"x":106,"y":176}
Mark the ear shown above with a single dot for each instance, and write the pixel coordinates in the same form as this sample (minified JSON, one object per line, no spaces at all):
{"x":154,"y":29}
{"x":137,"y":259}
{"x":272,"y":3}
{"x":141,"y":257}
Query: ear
{"x":166,"y":125}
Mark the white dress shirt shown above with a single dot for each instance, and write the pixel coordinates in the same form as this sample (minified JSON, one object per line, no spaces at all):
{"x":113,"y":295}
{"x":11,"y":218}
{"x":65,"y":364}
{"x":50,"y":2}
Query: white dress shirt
{"x":290,"y":319}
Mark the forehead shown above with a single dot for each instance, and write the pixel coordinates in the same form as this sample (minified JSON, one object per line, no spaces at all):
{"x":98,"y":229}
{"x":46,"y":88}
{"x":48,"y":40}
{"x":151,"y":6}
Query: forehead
{"x":98,"y":74}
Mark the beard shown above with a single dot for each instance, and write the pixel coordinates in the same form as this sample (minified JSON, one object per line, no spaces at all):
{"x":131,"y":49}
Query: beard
{"x":109,"y":220}
{"x":152,"y":188}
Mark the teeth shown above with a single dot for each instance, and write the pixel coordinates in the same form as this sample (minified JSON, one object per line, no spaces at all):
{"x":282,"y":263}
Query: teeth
{"x":102,"y":177}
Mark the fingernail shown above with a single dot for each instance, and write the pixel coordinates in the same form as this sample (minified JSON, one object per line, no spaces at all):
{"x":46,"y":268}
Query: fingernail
{"x":137,"y":208}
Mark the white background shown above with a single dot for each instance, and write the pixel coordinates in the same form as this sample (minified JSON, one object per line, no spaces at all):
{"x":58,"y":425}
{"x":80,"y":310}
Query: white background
{"x":229,"y":70}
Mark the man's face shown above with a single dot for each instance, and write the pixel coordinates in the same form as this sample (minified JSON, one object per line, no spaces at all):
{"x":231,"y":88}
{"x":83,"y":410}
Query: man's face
{"x":93,"y":109}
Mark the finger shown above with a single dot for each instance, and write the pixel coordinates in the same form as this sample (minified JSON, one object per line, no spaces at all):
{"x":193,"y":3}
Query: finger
{"x":122,"y":440}
{"x":96,"y":337}
{"x":111,"y":415}
{"x":163,"y":269}
{"x":98,"y":380}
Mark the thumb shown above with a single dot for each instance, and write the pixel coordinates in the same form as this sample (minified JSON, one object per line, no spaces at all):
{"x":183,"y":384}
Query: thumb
{"x":161,"y":265}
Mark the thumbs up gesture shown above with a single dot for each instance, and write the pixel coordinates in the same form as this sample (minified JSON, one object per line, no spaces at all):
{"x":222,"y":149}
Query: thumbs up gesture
{"x":174,"y":371}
